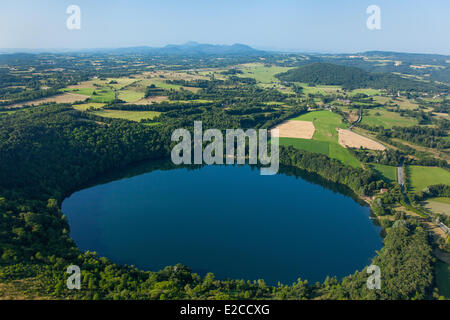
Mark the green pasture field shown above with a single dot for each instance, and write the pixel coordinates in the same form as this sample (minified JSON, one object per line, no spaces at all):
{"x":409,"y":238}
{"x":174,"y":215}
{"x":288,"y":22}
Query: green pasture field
{"x":367,"y":91}
{"x":130,"y":95}
{"x":319,"y":89}
{"x":85,"y":106}
{"x":160,"y":83}
{"x":322,"y":147}
{"x":383,"y":100}
{"x":402,"y":102}
{"x":386,"y":119}
{"x":128,"y":115}
{"x":420,"y":177}
{"x":406,"y":104}
{"x":389,"y":173}
{"x":325,"y":123}
{"x":340,"y":153}
{"x":103,"y":94}
{"x":261,"y":73}
{"x":121,"y":82}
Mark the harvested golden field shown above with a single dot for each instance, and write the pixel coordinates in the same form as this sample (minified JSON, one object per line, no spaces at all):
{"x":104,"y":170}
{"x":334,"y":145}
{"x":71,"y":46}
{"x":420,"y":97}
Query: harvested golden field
{"x":441,"y":114}
{"x":67,"y":97}
{"x":350,"y":139}
{"x":296,"y":129}
{"x":438,"y":205}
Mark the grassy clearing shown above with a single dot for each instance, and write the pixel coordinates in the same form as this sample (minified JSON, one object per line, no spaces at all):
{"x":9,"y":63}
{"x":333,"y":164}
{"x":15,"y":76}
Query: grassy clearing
{"x":389,"y":173}
{"x":367,"y":91}
{"x":402,"y":102}
{"x":406,"y":104}
{"x":421,"y":177}
{"x":130,"y":95}
{"x":121,"y":82}
{"x":262,"y":73}
{"x":7,"y":112}
{"x":325,"y":123}
{"x":386,"y":119}
{"x":438,"y":205}
{"x":322,"y":147}
{"x":442,"y":273}
{"x":319,"y":89}
{"x":98,"y":95}
{"x":441,"y":200}
{"x":160,"y":83}
{"x":128,"y":115}
{"x":85,"y":106}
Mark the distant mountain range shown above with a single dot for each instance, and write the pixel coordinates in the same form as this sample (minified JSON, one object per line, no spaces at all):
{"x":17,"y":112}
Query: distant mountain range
{"x":194,"y":48}
{"x":188,"y":48}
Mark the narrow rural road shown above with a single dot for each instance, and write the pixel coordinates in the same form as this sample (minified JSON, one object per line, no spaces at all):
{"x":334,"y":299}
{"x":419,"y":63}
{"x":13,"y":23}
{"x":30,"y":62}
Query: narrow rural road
{"x":357,"y":121}
{"x":400,"y":177}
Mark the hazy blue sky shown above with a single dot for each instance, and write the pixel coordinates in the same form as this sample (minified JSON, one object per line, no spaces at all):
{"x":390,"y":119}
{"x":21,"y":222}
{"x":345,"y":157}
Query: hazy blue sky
{"x":302,"y":25}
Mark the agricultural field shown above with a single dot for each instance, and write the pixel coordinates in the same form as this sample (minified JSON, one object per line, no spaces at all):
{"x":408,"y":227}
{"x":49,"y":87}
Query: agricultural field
{"x":262,"y":73}
{"x":367,"y":91}
{"x":85,"y":106}
{"x":295,"y":129}
{"x":438,"y":205}
{"x":406,"y":104}
{"x":319,"y":89}
{"x":121,"y":82}
{"x":326,"y":124}
{"x":128,"y":115}
{"x":402,"y":102}
{"x":386,"y":119}
{"x":383,"y":100}
{"x":317,"y":146}
{"x":102,"y":94}
{"x":419,"y":177}
{"x":389,"y":173}
{"x":61,"y":98}
{"x":130,"y":95}
{"x":350,"y":139}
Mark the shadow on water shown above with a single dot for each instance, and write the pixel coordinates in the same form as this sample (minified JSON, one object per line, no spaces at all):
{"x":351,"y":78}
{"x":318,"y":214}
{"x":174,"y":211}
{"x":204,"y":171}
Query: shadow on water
{"x":166,"y":165}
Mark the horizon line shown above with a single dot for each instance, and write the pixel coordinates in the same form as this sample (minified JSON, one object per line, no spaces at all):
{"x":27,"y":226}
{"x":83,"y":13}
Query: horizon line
{"x":256,"y":48}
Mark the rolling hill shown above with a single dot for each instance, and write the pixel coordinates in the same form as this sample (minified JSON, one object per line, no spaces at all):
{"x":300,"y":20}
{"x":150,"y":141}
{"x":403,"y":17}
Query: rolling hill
{"x":351,"y":78}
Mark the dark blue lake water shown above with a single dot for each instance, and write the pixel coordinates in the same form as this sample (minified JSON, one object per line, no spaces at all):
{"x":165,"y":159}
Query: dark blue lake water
{"x":228,"y":220}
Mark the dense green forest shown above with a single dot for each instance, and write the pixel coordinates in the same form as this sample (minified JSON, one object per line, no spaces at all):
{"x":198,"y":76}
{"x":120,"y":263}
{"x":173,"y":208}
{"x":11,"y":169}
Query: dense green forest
{"x":59,"y":149}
